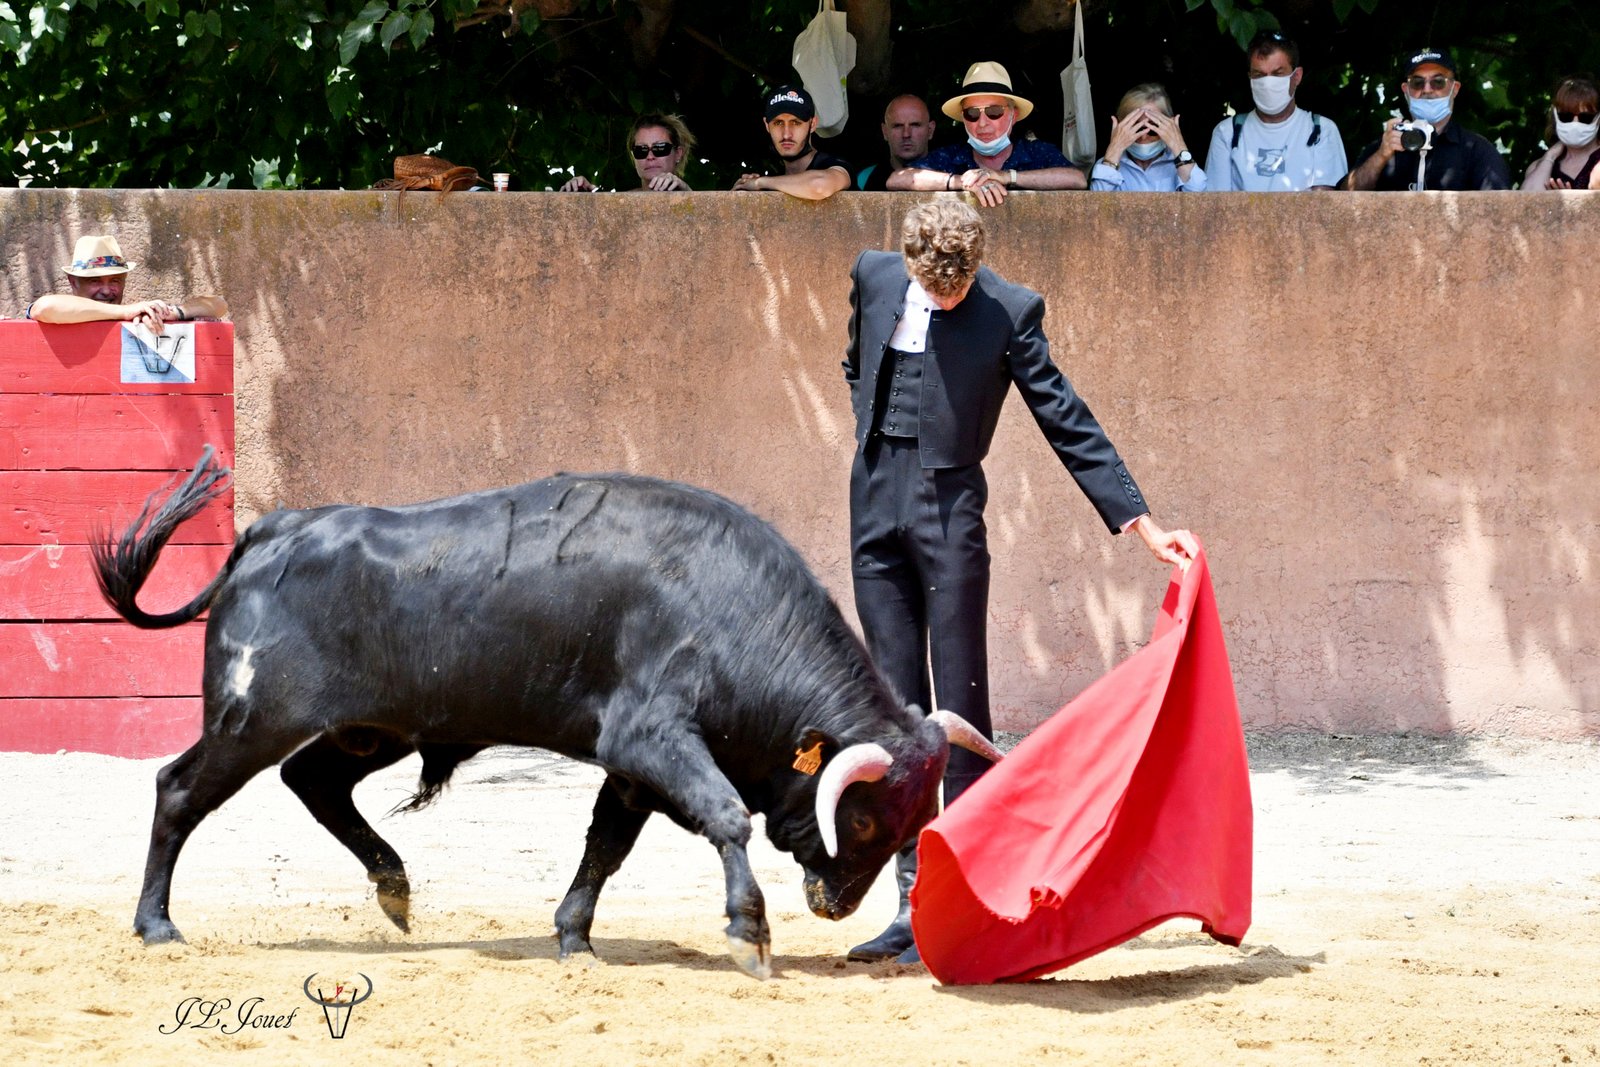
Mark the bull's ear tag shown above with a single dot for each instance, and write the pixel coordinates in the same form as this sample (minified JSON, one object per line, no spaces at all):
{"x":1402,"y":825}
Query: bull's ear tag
{"x":808,"y":760}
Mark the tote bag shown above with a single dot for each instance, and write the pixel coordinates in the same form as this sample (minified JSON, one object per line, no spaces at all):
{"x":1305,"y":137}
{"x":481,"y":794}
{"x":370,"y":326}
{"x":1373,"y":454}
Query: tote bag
{"x":824,"y":54}
{"x":1077,"y":110}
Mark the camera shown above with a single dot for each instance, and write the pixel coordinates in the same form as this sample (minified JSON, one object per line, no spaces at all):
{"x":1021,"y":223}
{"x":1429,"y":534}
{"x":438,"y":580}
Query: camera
{"x":1415,"y":136}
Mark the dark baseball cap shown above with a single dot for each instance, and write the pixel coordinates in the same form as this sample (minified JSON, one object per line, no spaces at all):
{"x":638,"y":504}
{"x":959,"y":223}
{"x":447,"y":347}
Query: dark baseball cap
{"x":1427,"y":55}
{"x":790,"y":100}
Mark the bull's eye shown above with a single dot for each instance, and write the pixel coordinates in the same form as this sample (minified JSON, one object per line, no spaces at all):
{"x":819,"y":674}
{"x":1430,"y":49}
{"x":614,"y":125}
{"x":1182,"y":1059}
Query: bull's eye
{"x":862,"y":825}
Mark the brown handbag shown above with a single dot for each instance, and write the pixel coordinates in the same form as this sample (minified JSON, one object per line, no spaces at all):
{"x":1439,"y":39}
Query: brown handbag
{"x":429,"y":172}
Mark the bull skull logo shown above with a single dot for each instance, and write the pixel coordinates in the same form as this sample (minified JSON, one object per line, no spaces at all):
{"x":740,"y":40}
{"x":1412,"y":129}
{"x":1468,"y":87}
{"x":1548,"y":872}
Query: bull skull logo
{"x":337,"y":998}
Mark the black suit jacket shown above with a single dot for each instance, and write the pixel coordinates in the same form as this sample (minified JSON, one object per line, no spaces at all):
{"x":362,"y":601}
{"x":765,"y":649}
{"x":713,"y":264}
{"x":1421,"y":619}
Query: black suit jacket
{"x":990,"y":341}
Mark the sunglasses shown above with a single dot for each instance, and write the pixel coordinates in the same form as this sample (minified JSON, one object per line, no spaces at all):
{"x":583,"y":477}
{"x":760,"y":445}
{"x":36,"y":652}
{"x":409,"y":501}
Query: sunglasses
{"x":660,"y":149}
{"x":1584,"y":117}
{"x":994,"y":111}
{"x":1438,"y":83}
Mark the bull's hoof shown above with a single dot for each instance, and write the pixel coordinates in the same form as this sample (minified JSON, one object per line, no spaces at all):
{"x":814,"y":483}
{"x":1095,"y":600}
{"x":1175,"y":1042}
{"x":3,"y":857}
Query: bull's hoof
{"x":753,"y":959}
{"x":158,"y":932}
{"x":394,"y":897}
{"x":575,"y":945}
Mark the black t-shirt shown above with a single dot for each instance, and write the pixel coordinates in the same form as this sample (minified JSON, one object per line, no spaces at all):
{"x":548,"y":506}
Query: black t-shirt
{"x":821,"y":161}
{"x":1459,"y":159}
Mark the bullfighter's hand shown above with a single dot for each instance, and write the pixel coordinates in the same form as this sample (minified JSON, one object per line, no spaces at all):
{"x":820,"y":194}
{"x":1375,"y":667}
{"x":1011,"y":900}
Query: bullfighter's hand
{"x":1177,"y":547}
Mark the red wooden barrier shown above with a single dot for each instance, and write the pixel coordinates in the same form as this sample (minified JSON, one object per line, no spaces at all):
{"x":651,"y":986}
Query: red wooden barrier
{"x":92,"y":420}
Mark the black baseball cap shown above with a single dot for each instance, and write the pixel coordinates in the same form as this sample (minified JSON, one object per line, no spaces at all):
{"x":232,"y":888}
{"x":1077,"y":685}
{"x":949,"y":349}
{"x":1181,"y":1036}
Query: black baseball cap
{"x":790,"y":100}
{"x":1427,"y":55}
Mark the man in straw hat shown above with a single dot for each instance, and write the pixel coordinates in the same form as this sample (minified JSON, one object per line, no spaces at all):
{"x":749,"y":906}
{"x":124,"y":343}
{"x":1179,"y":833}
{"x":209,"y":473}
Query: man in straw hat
{"x":937,"y":340}
{"x":990,"y":162}
{"x":96,"y":277}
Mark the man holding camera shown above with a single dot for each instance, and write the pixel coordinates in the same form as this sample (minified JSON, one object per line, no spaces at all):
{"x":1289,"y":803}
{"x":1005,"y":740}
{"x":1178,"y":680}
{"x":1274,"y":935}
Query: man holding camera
{"x":1427,"y":150}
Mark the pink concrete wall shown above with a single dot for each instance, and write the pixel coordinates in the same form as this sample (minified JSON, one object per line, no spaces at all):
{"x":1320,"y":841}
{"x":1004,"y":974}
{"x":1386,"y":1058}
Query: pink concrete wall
{"x":1376,"y":410}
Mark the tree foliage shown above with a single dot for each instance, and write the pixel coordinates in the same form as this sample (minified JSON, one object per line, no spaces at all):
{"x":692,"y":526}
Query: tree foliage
{"x":301,"y":93}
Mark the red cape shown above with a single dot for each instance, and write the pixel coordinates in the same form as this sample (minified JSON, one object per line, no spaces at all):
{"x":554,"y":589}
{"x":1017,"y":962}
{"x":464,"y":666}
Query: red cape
{"x":1130,"y":806}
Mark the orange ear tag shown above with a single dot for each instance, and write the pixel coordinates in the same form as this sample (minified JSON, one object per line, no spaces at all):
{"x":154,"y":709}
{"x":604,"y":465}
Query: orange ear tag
{"x":808,"y":760}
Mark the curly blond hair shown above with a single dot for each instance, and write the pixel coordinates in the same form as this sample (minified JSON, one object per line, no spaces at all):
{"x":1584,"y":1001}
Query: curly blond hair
{"x":943,"y":244}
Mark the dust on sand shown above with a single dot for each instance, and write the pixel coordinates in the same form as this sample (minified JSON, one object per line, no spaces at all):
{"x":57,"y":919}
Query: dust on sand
{"x":1417,"y":901}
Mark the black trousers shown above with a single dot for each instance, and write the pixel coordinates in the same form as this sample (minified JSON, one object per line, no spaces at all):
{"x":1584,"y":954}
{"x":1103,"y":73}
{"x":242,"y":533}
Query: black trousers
{"x":920,"y":564}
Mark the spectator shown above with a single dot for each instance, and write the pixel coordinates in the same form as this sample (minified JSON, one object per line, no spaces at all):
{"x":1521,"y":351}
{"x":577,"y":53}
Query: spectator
{"x":808,"y":172}
{"x":990,"y":163}
{"x":1571,"y":131}
{"x":1442,"y":154}
{"x":1146,"y":152}
{"x":1277,"y":147}
{"x":660,"y":145}
{"x":908,"y":129}
{"x":97,"y":277}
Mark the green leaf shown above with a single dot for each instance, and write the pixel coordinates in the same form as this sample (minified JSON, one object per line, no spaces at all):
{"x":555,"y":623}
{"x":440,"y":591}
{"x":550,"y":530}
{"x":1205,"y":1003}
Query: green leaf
{"x":421,"y":28}
{"x":1242,"y":25}
{"x":193,"y":25}
{"x":1342,"y":9}
{"x":359,"y":32}
{"x":214,"y":23}
{"x":1369,"y":6}
{"x":393,"y":27}
{"x":342,"y":97}
{"x":1190,"y":5}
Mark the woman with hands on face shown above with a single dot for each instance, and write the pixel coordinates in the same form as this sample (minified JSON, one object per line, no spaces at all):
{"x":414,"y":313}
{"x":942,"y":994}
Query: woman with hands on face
{"x":660,"y":145}
{"x":1146,"y":152}
{"x":1573,"y":132}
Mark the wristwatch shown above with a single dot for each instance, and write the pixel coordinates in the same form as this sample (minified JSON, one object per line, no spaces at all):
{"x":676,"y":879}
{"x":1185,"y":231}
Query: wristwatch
{"x":1183,"y":158}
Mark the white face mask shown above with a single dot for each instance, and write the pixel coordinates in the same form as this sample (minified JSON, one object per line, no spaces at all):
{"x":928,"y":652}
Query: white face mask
{"x":1577,"y":134}
{"x":1271,"y":95}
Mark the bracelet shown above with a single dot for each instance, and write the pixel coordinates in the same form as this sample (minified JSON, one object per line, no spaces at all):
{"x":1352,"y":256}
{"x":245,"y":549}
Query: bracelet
{"x":182,"y":315}
{"x":948,"y":178}
{"x":1013,"y":182}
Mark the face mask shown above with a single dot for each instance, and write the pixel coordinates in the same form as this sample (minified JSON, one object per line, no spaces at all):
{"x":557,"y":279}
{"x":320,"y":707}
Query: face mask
{"x":1271,"y":95}
{"x":1577,"y":134}
{"x":990,"y":148}
{"x":1146,"y":152}
{"x":1430,"y":109}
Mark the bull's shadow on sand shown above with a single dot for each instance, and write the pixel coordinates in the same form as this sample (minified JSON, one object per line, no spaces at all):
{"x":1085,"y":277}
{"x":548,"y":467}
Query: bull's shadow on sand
{"x":1251,"y":964}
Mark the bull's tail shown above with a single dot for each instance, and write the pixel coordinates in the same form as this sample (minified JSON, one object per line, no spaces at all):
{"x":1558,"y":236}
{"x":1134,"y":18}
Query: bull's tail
{"x":122,"y":565}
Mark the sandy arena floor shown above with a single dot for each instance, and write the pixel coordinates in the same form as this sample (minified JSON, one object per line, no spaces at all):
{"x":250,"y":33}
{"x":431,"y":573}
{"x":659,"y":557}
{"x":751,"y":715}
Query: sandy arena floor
{"x":1417,"y":901}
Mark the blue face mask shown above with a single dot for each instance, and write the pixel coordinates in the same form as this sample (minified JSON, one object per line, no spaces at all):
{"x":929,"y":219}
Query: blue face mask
{"x":1146,"y":152}
{"x":990,"y":148}
{"x":1430,"y":109}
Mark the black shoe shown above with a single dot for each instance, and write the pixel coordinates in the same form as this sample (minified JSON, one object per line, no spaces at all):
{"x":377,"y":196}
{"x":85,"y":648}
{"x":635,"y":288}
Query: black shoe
{"x":910,"y":955}
{"x":896,"y":939}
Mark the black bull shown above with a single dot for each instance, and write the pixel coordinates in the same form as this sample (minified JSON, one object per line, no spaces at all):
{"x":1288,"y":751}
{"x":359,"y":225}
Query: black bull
{"x":654,"y":629}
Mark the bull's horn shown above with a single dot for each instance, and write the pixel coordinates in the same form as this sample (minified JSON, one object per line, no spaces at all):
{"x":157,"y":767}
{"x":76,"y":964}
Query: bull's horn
{"x":858,"y":763}
{"x":963,"y":733}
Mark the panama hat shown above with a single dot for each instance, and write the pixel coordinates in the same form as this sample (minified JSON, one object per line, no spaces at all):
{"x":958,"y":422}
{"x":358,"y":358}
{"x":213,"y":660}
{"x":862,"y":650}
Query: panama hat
{"x":987,"y":79}
{"x":95,"y":257}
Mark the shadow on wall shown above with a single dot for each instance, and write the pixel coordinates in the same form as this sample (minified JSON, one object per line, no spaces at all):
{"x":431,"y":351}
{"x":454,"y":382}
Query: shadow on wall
{"x":1373,"y":409}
